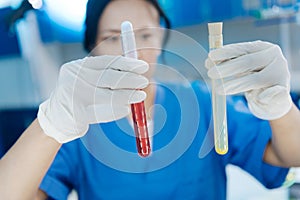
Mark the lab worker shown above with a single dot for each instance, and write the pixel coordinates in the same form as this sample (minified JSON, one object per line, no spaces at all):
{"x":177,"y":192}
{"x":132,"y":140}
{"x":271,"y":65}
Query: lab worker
{"x":75,"y":142}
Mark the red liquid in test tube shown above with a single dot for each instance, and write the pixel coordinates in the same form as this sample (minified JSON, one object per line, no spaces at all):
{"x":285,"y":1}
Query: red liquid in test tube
{"x":140,"y":129}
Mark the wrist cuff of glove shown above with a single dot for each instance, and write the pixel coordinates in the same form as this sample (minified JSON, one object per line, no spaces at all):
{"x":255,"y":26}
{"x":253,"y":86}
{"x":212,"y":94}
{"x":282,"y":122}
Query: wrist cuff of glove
{"x":48,"y":128}
{"x":276,"y":111}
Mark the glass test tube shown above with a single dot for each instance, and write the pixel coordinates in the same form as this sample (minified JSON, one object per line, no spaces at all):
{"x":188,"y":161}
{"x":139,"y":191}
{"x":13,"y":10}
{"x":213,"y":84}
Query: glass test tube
{"x":137,"y":109}
{"x":218,"y":101}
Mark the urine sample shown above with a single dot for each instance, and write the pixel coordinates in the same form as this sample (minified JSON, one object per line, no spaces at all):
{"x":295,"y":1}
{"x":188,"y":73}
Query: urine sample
{"x":218,"y":100}
{"x":137,"y":109}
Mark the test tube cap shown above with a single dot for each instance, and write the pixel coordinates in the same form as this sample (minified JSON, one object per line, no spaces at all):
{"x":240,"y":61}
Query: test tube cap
{"x":126,"y":26}
{"x":215,"y":28}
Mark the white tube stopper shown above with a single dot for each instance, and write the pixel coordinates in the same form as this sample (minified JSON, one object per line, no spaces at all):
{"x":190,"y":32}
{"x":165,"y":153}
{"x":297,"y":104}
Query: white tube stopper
{"x":128,"y":40}
{"x":215,"y":35}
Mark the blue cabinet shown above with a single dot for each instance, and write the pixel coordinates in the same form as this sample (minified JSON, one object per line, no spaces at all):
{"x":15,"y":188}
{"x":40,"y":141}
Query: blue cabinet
{"x":12,"y":124}
{"x":8,"y":41}
{"x":190,"y":12}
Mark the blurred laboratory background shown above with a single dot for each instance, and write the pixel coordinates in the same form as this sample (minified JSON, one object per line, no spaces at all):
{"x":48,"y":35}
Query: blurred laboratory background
{"x":38,"y":36}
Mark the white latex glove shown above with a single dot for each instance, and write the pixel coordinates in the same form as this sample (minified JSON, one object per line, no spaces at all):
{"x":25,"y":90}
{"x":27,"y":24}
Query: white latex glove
{"x":257,"y":68}
{"x":92,"y":90}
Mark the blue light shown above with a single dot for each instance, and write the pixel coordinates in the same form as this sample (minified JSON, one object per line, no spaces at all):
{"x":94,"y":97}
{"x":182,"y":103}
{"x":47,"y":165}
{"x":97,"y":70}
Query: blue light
{"x":4,"y":3}
{"x":67,"y":13}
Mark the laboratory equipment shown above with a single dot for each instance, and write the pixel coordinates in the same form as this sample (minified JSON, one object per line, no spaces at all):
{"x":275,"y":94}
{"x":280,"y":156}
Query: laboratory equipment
{"x":137,"y":109}
{"x":218,"y":100}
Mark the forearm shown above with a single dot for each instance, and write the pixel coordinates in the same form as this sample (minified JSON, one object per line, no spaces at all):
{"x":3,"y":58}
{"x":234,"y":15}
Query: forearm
{"x":25,"y":164}
{"x":284,"y":148}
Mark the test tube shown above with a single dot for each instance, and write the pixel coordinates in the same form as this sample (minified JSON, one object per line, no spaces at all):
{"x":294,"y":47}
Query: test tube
{"x":137,"y":109}
{"x":218,"y":101}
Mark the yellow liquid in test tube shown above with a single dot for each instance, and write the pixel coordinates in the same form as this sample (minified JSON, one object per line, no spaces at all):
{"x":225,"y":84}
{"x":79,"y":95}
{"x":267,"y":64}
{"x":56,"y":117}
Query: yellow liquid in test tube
{"x":218,"y":101}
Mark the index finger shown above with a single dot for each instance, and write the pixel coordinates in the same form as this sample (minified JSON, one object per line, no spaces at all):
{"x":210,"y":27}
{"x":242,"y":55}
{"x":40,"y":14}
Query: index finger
{"x":119,"y":63}
{"x":236,"y":50}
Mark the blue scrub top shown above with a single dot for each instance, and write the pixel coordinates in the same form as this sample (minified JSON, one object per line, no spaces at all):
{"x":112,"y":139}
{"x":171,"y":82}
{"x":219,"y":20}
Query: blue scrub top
{"x":104,"y":163}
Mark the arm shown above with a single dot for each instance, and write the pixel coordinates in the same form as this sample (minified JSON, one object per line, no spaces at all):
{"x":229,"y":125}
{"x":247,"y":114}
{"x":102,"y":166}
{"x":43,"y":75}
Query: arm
{"x":85,"y":87}
{"x":26,"y":163}
{"x":284,"y":149}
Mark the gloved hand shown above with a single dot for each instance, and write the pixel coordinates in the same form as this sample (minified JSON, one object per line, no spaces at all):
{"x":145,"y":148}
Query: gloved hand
{"x":257,"y":68}
{"x":92,"y":90}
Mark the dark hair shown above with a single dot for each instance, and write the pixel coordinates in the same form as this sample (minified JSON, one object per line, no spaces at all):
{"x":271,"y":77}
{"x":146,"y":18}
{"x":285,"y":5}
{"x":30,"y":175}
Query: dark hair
{"x":94,"y":11}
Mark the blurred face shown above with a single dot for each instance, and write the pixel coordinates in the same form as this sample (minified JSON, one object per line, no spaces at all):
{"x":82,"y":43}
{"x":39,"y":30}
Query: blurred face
{"x":145,"y":20}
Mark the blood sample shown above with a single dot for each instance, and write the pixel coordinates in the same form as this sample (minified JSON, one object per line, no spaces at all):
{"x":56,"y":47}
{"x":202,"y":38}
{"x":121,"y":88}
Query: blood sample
{"x":137,"y":109}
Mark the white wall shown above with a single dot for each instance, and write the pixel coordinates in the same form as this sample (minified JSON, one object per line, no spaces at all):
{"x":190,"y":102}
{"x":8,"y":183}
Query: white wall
{"x":16,"y":85}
